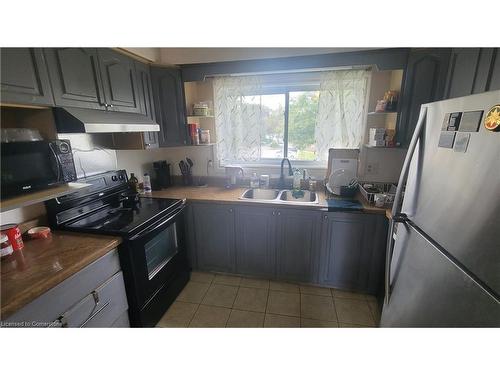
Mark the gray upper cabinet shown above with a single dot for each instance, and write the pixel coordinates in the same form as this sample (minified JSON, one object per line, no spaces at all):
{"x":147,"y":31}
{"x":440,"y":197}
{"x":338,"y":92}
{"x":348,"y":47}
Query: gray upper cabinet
{"x":75,"y":77}
{"x":255,"y":241}
{"x":298,"y":232}
{"x":214,"y":236}
{"x":352,"y":252}
{"x":24,"y":78}
{"x":119,"y":81}
{"x":472,"y":71}
{"x":168,"y":93}
{"x":424,"y":81}
{"x":146,"y":101}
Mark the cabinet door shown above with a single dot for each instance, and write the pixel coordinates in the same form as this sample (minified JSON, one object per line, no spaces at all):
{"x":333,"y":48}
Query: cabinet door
{"x":214,"y":236}
{"x":75,"y":78}
{"x":168,"y":96}
{"x":119,"y":81}
{"x":494,"y":75}
{"x":255,"y":241}
{"x":352,"y":251}
{"x":24,"y":78}
{"x":424,"y":82}
{"x":146,"y":102}
{"x":297,"y":252}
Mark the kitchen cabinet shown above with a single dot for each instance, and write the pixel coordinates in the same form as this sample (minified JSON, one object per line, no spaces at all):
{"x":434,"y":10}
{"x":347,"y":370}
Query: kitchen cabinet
{"x":352,"y":251}
{"x":93,"y":297}
{"x":169,"y":103}
{"x":150,"y":139}
{"x":472,"y":71}
{"x":423,"y":82}
{"x":75,"y":77}
{"x":119,"y":81}
{"x":255,"y":241}
{"x":24,"y":78}
{"x":214,"y":237}
{"x":298,"y":232}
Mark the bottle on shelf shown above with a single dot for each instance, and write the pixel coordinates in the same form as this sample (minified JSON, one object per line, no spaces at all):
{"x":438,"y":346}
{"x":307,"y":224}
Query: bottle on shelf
{"x":147,"y":183}
{"x":133,"y":182}
{"x":254,"y":181}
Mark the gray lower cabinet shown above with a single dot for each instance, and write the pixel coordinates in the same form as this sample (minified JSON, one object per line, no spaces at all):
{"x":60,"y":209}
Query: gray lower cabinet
{"x":214,"y":237}
{"x":24,"y":78}
{"x":93,"y":297}
{"x":298,"y":232}
{"x":75,"y":77}
{"x":255,"y":240}
{"x":352,"y":251}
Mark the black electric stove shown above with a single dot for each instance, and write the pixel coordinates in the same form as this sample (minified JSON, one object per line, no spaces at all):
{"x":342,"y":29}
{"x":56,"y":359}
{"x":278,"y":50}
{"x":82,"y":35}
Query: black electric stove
{"x":152,"y":253}
{"x":125,"y":221}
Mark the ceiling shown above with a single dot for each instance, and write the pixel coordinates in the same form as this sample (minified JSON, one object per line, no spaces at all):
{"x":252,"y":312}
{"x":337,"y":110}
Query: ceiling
{"x":205,"y":55}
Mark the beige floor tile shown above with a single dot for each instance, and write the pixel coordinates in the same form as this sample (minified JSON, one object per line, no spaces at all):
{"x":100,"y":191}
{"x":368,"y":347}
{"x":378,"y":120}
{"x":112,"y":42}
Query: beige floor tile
{"x":193,"y":292}
{"x":353,"y":311}
{"x":179,"y":314}
{"x":317,"y":307}
{"x":284,"y":287}
{"x":280,"y":321}
{"x":350,"y":325}
{"x":306,"y":289}
{"x":227,"y":280}
{"x":245,"y":319}
{"x":373,"y":305}
{"x":251,"y":299}
{"x":202,"y":277}
{"x":255,"y":283}
{"x":313,"y":323}
{"x":337,"y":293}
{"x":220,"y":295}
{"x":282,"y":303}
{"x":210,"y":317}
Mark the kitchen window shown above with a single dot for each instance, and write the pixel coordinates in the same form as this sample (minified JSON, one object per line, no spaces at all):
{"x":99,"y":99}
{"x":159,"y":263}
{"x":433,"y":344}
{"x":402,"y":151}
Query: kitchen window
{"x":262,"y":118}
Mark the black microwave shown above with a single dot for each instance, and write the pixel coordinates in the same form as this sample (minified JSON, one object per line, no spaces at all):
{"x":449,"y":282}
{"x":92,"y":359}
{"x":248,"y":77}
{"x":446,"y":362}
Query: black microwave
{"x":35,"y":165}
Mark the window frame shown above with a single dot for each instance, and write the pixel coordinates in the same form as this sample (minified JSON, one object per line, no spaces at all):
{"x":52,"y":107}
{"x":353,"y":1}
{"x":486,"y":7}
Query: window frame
{"x":285,"y":90}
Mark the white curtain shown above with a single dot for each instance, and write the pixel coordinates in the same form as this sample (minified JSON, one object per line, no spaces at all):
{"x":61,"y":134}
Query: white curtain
{"x":237,"y":119}
{"x":341,"y":110}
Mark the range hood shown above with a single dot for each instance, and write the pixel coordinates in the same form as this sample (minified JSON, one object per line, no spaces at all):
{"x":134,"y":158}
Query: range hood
{"x":77,"y":120}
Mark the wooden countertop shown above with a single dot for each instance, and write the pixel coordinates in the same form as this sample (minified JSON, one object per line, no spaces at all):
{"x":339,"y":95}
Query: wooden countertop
{"x":44,"y":263}
{"x":223,"y":195}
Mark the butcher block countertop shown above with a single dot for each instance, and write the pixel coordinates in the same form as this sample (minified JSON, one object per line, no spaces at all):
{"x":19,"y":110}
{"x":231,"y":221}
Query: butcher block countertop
{"x":44,"y":263}
{"x":223,"y":195}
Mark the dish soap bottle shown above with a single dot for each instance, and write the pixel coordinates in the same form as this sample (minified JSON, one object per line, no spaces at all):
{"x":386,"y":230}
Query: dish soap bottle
{"x":297,"y":175}
{"x":147,"y":183}
{"x":133,"y":182}
{"x":254,"y":181}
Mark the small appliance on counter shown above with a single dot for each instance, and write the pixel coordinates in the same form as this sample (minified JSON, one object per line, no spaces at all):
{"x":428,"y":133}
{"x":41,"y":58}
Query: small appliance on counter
{"x":162,"y":170}
{"x":152,"y":253}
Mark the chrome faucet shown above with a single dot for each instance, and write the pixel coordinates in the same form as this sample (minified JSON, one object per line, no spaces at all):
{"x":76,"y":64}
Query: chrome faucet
{"x":281,"y":184}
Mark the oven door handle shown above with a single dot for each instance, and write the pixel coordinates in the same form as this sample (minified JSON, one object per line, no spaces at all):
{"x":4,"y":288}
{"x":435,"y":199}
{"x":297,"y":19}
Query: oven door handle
{"x":165,"y":222}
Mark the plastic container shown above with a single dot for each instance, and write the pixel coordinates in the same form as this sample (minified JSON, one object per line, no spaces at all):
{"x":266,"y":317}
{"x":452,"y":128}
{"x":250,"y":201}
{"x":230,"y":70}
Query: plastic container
{"x":147,"y":183}
{"x":264,"y":181}
{"x":297,"y":175}
{"x":254,"y":181}
{"x":6,"y":247}
{"x":204,"y":136}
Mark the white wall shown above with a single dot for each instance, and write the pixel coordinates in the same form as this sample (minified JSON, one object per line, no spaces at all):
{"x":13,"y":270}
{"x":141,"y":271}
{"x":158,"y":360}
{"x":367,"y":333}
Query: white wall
{"x":151,"y":54}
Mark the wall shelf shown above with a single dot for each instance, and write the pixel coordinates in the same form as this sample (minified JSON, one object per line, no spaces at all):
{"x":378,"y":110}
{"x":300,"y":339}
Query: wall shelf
{"x":381,"y":113}
{"x":40,"y":196}
{"x":201,"y":145}
{"x":194,"y":116}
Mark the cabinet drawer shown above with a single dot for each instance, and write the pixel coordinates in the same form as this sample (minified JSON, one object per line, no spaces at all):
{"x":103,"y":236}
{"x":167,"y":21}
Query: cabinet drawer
{"x":100,"y":308}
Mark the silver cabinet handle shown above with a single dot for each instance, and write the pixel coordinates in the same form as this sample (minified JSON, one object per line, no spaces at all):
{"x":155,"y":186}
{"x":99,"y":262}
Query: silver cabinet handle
{"x":325,"y":217}
{"x":230,"y":210}
{"x":274,"y":213}
{"x":279,"y":213}
{"x":94,"y":314}
{"x":396,"y":215}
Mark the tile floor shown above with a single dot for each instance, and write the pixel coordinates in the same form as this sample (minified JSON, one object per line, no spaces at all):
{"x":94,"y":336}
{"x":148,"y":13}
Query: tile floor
{"x":213,"y":300}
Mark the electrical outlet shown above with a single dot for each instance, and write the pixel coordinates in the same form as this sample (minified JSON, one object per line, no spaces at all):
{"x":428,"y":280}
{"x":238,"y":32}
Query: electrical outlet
{"x":372,"y":168}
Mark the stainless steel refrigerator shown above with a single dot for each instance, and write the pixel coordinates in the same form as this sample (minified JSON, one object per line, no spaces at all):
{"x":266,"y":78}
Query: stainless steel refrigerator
{"x":443,"y":246}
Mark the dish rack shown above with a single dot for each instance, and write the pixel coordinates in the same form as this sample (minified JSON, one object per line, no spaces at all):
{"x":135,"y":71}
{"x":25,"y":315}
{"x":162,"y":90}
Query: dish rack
{"x":388,"y":189}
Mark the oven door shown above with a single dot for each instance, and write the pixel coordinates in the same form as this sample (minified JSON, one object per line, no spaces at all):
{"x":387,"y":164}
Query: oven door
{"x":29,"y":166}
{"x":156,"y":255}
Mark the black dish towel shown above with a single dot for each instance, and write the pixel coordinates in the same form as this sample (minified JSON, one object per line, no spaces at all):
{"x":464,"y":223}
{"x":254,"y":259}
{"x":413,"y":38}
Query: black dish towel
{"x":343,"y":205}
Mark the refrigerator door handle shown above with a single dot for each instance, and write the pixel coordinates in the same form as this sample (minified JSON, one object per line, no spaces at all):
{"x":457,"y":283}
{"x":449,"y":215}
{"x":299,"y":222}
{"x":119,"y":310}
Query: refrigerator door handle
{"x":396,"y":215}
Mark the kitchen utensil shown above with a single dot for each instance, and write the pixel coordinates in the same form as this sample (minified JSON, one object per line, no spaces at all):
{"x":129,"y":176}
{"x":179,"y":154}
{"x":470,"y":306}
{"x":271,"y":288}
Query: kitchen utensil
{"x":183,"y":167}
{"x":338,"y":178}
{"x":380,"y":199}
{"x":190,"y":162}
{"x":39,"y":232}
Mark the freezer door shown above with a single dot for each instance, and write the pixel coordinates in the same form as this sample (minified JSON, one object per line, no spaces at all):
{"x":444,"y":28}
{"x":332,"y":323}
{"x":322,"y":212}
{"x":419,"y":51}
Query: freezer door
{"x":453,"y":196}
{"x":429,"y":290}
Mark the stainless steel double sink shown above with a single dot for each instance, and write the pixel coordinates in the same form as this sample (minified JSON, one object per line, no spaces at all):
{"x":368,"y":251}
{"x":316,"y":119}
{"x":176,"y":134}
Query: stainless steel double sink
{"x":280,"y":196}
